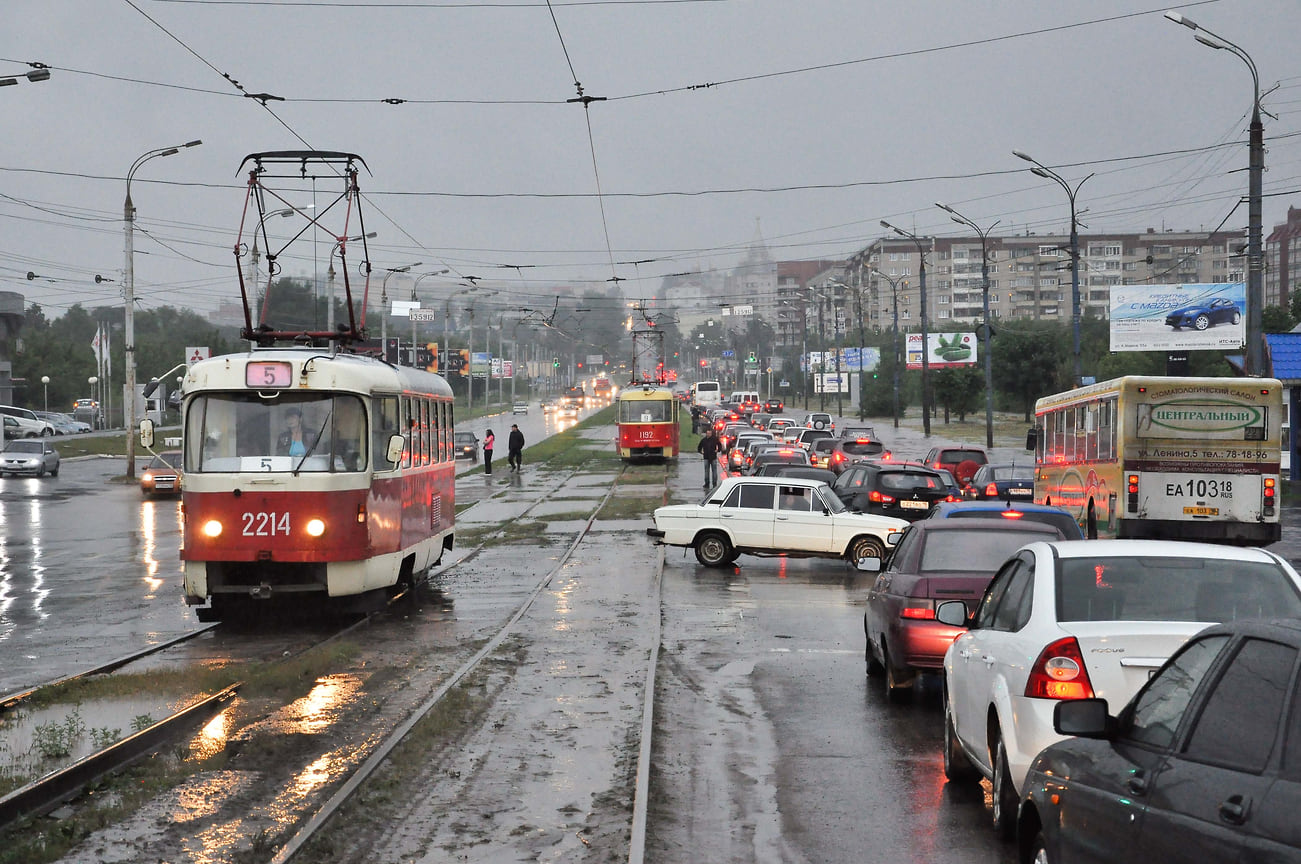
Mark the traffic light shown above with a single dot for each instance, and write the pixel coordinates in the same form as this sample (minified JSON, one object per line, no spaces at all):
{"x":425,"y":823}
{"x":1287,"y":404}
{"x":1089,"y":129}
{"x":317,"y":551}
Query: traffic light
{"x":555,"y":362}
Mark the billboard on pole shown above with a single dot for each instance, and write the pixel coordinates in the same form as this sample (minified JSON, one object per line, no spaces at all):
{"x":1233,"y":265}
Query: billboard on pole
{"x":1192,"y":316}
{"x":946,"y":350}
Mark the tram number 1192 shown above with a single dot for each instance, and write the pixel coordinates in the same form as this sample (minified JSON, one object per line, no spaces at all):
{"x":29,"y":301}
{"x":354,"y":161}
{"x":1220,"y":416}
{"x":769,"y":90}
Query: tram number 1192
{"x":265,"y":524}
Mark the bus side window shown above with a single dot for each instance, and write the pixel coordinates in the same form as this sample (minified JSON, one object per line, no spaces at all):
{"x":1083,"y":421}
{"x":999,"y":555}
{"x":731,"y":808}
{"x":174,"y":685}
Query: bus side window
{"x":384,"y":412}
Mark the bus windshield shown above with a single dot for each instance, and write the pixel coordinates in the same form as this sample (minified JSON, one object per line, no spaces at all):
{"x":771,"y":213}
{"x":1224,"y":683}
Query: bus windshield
{"x":314,"y":432}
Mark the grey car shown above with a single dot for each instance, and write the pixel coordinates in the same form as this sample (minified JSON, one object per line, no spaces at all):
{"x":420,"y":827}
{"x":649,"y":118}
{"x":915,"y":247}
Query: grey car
{"x":33,"y":457}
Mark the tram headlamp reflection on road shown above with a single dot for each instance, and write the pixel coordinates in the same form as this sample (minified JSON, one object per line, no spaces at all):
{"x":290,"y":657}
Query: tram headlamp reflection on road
{"x":212,"y":528}
{"x":315,"y":527}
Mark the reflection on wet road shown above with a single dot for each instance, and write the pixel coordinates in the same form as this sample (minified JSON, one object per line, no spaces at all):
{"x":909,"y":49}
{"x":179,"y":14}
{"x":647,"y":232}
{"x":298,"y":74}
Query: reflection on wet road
{"x":88,"y":572}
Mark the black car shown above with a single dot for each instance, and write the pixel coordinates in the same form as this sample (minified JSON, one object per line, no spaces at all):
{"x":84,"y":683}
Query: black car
{"x":774,"y":406}
{"x":1002,"y":481}
{"x":786,"y":469}
{"x":1201,"y":765}
{"x":466,"y":446}
{"x":891,"y":489}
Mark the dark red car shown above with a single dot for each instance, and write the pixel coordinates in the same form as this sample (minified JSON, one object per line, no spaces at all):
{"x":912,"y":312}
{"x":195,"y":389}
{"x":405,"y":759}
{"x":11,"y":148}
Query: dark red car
{"x":936,"y":560}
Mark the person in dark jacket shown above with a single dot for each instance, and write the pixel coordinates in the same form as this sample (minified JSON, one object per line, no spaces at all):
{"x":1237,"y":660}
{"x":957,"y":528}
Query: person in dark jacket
{"x":515,"y":448}
{"x":488,"y":443}
{"x":709,"y":447}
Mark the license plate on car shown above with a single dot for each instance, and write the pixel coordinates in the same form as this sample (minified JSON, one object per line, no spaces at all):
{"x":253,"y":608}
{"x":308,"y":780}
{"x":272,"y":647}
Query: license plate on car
{"x":1018,"y":491}
{"x":1201,"y":511}
{"x":914,"y":505}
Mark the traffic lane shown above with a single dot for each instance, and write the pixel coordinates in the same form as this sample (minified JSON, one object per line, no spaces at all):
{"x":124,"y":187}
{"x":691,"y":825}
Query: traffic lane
{"x":765,"y":684}
{"x":88,"y":572}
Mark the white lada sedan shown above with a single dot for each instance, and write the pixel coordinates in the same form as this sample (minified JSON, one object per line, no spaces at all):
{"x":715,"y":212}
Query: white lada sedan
{"x":773,"y":516}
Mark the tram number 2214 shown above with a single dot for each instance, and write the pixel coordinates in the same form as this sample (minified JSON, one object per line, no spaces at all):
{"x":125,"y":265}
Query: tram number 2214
{"x":265,"y":524}
{"x":1201,"y":487}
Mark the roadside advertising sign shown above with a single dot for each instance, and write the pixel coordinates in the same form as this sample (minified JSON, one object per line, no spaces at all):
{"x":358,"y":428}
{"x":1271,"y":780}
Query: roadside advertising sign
{"x":946,"y":350}
{"x":1193,"y":316}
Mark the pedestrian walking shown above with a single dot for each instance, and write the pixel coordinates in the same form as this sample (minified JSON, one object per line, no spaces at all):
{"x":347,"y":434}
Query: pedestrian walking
{"x":488,"y":442}
{"x":515,"y":448}
{"x":709,"y":447}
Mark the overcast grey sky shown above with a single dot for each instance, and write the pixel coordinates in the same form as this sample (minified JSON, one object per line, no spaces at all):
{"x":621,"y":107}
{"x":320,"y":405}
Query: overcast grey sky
{"x":825,"y":117}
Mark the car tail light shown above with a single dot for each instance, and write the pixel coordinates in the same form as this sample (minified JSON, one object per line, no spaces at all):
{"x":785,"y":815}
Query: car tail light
{"x":1268,"y":493}
{"x":991,"y":490}
{"x":1012,"y":514}
{"x":1059,"y":673}
{"x":918,"y":610}
{"x":878,"y":498}
{"x":950,"y":498}
{"x":1131,"y":492}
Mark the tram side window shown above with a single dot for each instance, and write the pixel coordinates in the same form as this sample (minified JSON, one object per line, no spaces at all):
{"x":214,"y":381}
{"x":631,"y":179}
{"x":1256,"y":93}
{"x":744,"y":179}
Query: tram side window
{"x":384,"y":411}
{"x":426,"y":431}
{"x":444,"y":429}
{"x":349,"y":429}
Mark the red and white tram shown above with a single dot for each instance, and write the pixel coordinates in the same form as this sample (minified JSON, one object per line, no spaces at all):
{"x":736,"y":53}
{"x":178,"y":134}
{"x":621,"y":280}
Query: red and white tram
{"x":648,"y":426}
{"x":313,"y":471}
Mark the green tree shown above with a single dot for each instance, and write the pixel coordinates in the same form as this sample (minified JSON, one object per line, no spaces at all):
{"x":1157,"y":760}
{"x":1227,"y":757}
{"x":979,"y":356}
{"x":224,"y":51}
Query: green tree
{"x":959,"y":390}
{"x":1276,"y":319}
{"x":1029,"y":361}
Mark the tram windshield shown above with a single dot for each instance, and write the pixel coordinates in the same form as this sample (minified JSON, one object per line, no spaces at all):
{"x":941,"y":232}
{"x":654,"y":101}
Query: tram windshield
{"x":644,"y":411}
{"x":314,"y":432}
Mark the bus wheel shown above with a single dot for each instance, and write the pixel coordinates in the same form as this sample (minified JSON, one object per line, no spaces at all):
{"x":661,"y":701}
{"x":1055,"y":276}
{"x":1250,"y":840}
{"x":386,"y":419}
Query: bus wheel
{"x":1091,"y":529}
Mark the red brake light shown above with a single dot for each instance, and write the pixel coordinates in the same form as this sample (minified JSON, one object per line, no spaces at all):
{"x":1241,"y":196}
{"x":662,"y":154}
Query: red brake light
{"x":1012,"y":514}
{"x":862,"y":440}
{"x":1059,"y":673}
{"x":991,"y":489}
{"x":917,"y":614}
{"x":786,"y":452}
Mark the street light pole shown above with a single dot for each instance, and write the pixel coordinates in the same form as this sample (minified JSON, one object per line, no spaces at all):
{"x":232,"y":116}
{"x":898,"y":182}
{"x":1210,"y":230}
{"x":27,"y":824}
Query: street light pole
{"x":1255,"y":169}
{"x":984,"y":283}
{"x":1039,"y":170}
{"x":45,"y":382}
{"x":128,"y":291}
{"x":894,"y":339}
{"x":414,"y":286}
{"x":926,"y":348}
{"x":383,"y":304}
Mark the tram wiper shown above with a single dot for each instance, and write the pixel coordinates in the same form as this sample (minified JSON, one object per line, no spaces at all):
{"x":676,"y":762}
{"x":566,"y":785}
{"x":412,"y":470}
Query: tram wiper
{"x":315,"y":441}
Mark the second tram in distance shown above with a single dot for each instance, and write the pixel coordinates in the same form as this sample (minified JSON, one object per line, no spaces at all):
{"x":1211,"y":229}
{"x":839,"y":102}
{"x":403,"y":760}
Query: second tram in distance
{"x":648,"y":426}
{"x":309,"y":471}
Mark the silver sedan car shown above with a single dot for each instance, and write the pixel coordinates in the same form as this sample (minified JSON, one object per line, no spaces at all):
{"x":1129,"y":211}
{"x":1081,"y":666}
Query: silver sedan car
{"x":34,"y":457}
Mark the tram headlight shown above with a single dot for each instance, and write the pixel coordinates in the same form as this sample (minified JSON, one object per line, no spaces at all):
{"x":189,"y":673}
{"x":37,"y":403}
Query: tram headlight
{"x":212,"y":528}
{"x":315,"y":527}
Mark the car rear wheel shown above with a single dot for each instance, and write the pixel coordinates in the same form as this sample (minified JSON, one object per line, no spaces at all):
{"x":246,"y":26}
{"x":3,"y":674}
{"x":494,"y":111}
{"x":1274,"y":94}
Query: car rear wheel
{"x":957,"y":767}
{"x":1039,"y":850}
{"x":865,"y":547}
{"x":894,"y":691}
{"x":1004,"y":797}
{"x":714,"y":550}
{"x":874,"y":666}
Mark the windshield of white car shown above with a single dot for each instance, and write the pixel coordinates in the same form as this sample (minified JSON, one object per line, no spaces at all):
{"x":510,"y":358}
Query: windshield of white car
{"x":832,"y":502}
{"x":24,"y":447}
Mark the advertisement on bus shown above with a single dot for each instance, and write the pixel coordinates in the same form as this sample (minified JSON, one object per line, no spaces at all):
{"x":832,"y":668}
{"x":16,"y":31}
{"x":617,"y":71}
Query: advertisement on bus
{"x":1189,"y":317}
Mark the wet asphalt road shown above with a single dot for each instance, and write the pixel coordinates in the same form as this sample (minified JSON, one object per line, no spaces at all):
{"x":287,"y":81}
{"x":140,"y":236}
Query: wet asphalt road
{"x":769,"y":656}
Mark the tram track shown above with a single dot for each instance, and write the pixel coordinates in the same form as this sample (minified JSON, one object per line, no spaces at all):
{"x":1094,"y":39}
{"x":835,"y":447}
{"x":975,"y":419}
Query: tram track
{"x":62,"y":787}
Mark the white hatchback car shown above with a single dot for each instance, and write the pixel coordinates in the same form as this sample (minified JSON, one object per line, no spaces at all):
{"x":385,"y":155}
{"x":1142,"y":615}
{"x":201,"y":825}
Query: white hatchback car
{"x":773,"y":516}
{"x":1080,"y":619}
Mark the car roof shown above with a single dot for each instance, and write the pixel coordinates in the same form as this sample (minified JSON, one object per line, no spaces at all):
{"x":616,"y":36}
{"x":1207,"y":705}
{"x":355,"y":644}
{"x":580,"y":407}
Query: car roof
{"x":1158,"y":548}
{"x":778,"y":481}
{"x":932,"y":525}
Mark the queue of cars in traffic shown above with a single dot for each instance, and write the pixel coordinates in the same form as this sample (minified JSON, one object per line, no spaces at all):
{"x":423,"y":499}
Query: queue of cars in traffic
{"x":1125,"y":700}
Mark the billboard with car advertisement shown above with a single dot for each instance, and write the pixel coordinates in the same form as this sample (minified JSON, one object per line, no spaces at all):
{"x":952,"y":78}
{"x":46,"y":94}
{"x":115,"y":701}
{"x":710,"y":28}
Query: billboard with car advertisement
{"x":946,"y":350}
{"x":1194,"y":316}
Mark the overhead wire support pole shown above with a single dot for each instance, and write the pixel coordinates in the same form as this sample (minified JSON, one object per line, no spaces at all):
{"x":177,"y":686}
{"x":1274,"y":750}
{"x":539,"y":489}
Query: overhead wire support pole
{"x":986,"y":336}
{"x":894,"y":341}
{"x":926,"y":348}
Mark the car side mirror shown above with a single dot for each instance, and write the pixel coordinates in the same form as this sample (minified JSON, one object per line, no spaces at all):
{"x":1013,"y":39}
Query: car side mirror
{"x":952,"y":612}
{"x":868,"y":565}
{"x":1084,"y":718}
{"x":1032,"y":438}
{"x":146,"y":433}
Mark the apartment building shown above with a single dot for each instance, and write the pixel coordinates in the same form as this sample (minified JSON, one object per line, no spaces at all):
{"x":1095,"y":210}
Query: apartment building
{"x":1283,"y":260}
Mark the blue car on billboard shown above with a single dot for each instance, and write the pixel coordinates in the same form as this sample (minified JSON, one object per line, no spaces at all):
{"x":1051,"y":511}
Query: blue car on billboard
{"x":1201,"y":316}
